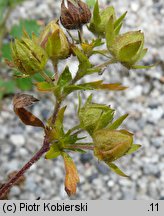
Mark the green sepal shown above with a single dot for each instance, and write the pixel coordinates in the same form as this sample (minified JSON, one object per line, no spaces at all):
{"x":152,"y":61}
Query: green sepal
{"x":110,"y":34}
{"x":96,"y":13}
{"x":133,"y":149}
{"x":129,"y":50}
{"x":119,"y":21}
{"x":118,"y":122}
{"x":116,"y":169}
{"x":143,"y":66}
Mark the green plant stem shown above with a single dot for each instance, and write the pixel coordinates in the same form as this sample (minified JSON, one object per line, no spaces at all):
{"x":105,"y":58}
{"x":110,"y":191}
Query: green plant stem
{"x":80,"y":33}
{"x":46,"y":77}
{"x":56,"y":75}
{"x":56,"y":109}
{"x":100,"y":66}
{"x":105,"y":64}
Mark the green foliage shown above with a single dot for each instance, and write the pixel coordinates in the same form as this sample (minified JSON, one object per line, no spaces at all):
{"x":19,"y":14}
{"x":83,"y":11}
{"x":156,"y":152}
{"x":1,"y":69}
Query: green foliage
{"x":31,"y":26}
{"x":90,"y":2}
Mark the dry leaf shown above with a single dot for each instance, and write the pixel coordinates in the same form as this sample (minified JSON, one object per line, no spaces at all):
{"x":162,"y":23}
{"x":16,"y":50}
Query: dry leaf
{"x":71,"y":178}
{"x":21,"y":101}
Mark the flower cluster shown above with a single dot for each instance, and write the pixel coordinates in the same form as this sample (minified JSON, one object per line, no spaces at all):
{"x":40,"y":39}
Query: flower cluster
{"x":56,"y":43}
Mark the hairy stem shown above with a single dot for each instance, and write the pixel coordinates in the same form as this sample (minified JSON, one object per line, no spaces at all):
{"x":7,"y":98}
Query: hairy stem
{"x":56,"y":76}
{"x":45,"y":147}
{"x":105,"y":64}
{"x":56,"y":109}
{"x":80,"y":33}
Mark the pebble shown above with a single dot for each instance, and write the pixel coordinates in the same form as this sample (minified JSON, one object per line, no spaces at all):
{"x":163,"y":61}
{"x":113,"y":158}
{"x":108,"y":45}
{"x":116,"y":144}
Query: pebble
{"x":17,"y":139}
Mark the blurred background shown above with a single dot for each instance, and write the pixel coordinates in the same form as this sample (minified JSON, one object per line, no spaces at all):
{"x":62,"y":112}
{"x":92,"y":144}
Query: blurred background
{"x":143,"y":100}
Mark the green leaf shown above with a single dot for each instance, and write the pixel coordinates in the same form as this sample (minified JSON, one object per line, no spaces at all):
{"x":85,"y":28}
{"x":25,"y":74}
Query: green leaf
{"x":90,"y":3}
{"x":6,"y":51}
{"x":7,"y":87}
{"x":129,"y":51}
{"x":133,"y":149}
{"x":84,"y":63}
{"x":64,"y":79}
{"x":118,"y":122}
{"x":44,"y":86}
{"x":24,"y":84}
{"x":30,"y":26}
{"x":116,"y":169}
{"x":59,"y":122}
{"x":54,"y":152}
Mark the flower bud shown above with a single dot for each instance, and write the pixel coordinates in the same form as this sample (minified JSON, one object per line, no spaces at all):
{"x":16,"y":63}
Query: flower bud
{"x":28,"y":57}
{"x":75,"y":15}
{"x":94,"y":116}
{"x":111,"y":144}
{"x":128,"y":48}
{"x":100,"y":20}
{"x":55,"y":42}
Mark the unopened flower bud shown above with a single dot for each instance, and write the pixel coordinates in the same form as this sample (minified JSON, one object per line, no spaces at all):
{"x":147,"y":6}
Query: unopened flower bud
{"x":94,"y":116}
{"x":28,"y":57}
{"x":55,"y":42}
{"x":128,"y":48}
{"x":111,"y":144}
{"x":75,"y":14}
{"x":100,"y":19}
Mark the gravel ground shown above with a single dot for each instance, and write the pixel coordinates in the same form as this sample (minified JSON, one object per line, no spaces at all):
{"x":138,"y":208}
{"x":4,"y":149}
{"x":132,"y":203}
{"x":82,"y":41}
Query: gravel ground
{"x":143,"y":100}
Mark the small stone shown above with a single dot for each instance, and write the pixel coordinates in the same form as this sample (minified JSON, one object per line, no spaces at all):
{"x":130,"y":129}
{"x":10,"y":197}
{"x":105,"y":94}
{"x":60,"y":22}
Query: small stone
{"x":15,"y":191}
{"x":102,"y":168}
{"x":134,"y":6}
{"x":17,"y":139}
{"x":85,"y":158}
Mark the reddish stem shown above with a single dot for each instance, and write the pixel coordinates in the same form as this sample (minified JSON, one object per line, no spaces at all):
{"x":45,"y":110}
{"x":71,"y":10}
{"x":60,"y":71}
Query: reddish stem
{"x":45,"y":147}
